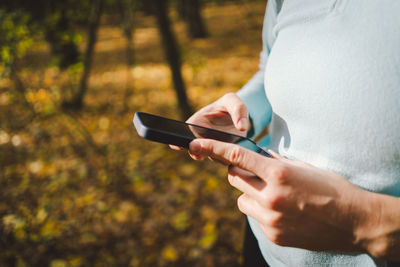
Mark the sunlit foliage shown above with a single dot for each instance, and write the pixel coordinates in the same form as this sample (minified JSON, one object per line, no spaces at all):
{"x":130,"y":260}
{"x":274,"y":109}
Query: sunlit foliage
{"x":81,"y":188}
{"x":15,"y":39}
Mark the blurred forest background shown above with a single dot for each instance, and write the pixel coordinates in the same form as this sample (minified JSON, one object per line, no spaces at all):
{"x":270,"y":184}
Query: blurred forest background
{"x":78,"y":187}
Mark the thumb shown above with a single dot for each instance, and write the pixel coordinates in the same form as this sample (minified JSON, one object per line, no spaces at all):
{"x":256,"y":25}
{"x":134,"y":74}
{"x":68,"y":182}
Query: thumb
{"x":238,"y":111}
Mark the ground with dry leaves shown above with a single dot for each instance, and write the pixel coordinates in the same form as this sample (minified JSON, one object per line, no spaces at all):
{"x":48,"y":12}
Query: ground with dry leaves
{"x":82,"y":189}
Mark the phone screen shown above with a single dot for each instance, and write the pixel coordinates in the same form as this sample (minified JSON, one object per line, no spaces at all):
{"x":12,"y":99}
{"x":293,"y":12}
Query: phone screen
{"x":194,"y":131}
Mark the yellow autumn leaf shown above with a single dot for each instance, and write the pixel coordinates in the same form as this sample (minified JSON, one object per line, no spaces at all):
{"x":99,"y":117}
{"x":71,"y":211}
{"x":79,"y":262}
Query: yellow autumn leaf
{"x":209,"y":236}
{"x":41,"y":215}
{"x":50,"y":229}
{"x":181,"y":220}
{"x":211,"y":183}
{"x":169,"y":253}
{"x":58,"y":263}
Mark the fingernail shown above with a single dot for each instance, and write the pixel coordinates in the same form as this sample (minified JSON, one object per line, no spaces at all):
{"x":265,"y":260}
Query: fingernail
{"x":195,"y":147}
{"x":243,"y":123}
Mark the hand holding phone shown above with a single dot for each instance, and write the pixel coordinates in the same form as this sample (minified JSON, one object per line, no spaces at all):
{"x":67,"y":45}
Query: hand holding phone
{"x":169,"y":131}
{"x":227,"y":114}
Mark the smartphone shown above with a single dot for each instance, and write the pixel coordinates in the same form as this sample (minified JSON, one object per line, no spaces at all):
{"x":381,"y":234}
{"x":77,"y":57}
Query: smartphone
{"x":179,"y":133}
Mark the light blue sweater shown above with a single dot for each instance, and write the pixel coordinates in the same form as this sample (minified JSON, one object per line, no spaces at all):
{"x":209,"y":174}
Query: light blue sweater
{"x":331,"y":71}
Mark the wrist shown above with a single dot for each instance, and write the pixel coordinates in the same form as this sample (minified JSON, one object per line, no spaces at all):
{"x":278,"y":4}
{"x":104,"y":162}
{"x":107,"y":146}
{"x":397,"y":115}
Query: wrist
{"x":377,"y":230}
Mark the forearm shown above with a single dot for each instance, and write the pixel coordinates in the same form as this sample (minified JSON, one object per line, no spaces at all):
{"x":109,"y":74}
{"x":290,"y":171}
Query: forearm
{"x":253,"y":95}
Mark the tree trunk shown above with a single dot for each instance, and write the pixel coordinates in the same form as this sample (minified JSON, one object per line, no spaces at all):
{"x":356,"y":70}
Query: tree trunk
{"x":96,"y":8}
{"x":172,"y":55}
{"x":127,"y":24}
{"x":192,"y":16}
{"x":127,"y":27}
{"x":146,"y":7}
{"x":66,"y":51}
{"x":180,"y":8}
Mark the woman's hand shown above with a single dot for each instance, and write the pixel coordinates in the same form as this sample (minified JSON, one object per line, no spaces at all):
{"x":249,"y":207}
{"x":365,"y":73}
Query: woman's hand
{"x":228,"y":114}
{"x":299,"y":205}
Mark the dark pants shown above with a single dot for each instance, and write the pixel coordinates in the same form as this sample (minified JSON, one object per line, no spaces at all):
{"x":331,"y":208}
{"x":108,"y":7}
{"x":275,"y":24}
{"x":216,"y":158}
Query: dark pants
{"x":251,"y":252}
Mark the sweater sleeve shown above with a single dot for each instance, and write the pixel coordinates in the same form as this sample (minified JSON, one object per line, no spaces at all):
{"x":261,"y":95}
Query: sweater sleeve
{"x":253,"y":92}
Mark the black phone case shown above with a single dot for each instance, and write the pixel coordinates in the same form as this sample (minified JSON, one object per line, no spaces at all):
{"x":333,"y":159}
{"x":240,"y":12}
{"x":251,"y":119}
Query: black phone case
{"x":159,"y":135}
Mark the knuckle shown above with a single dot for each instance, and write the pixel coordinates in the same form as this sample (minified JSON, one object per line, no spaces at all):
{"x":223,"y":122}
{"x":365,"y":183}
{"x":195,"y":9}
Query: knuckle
{"x":207,"y":147}
{"x":275,"y":235}
{"x":275,"y":220}
{"x":279,"y":238}
{"x":235,"y":155}
{"x":280,"y":173}
{"x":276,"y":202}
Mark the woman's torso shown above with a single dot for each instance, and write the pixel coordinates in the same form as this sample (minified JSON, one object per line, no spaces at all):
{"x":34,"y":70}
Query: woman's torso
{"x":333,"y":80}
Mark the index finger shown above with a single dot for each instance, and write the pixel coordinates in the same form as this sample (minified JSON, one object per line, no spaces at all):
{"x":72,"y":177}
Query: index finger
{"x":232,"y":154}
